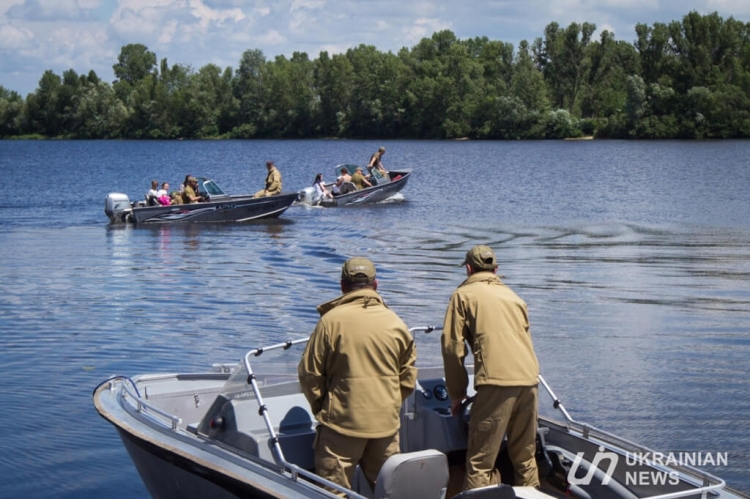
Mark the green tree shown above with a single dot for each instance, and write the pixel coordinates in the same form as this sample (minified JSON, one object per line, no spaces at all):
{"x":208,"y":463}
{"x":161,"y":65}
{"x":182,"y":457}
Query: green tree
{"x":42,"y":106}
{"x":11,"y":109}
{"x":134,"y":63}
{"x":101,"y":113}
{"x":291,"y":100}
{"x":334,"y":81}
{"x":562,"y":58}
{"x":527,"y":83}
{"x":249,"y":89}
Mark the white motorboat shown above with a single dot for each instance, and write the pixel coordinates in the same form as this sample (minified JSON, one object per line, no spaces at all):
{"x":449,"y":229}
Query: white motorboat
{"x":231,"y":433}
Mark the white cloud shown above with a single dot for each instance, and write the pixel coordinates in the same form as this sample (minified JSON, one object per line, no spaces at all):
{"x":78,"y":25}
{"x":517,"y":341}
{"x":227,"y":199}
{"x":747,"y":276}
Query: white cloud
{"x":307,"y":4}
{"x":735,"y":7}
{"x":51,"y":10}
{"x":7,"y":4}
{"x":36,"y":35}
{"x":422,"y":28}
{"x":271,"y":37}
{"x":604,"y":27}
{"x":15,"y":38}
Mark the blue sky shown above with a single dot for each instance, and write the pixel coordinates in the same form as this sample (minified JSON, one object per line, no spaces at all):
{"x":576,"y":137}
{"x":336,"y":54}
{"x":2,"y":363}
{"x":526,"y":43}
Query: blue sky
{"x":36,"y":35}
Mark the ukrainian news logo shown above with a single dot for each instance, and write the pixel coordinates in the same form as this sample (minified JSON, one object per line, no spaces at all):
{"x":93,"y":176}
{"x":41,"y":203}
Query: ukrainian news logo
{"x":661,"y":466}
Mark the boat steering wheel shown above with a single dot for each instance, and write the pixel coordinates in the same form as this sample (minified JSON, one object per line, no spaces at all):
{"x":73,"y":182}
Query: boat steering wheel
{"x":464,"y":412}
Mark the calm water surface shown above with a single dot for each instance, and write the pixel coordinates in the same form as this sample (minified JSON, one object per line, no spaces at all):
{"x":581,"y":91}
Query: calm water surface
{"x":634,"y":259}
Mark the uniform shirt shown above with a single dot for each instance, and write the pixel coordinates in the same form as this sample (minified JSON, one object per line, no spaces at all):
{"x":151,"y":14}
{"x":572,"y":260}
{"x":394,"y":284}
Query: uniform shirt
{"x":273,"y":182}
{"x":187,"y":194}
{"x":488,"y":316}
{"x":358,"y":180}
{"x":358,"y":366}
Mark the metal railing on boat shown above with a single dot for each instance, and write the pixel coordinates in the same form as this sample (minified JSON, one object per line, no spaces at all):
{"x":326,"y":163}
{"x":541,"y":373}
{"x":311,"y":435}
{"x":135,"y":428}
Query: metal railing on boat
{"x":294,"y":470}
{"x":708,"y":482}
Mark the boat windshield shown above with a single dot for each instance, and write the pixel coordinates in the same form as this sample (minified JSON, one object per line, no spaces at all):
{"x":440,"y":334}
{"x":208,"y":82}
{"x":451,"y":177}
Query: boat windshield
{"x":210,"y":188}
{"x":238,"y":385}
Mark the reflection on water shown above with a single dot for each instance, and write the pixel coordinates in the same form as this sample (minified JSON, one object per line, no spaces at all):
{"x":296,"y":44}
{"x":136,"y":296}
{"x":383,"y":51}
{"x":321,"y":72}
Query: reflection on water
{"x":640,"y":322}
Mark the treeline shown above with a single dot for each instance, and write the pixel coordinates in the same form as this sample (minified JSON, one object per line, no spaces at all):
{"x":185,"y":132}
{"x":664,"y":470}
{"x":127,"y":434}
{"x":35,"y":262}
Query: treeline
{"x":685,"y":79}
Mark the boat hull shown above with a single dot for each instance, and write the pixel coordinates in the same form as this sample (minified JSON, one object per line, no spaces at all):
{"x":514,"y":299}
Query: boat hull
{"x":174,"y":463}
{"x":230,"y":209}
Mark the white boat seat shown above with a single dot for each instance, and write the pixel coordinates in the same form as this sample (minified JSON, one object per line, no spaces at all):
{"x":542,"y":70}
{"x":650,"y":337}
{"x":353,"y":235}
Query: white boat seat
{"x":412,"y":475}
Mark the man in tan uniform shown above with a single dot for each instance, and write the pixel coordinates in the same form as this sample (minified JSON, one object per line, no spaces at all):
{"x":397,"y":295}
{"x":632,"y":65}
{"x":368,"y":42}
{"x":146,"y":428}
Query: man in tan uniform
{"x":190,"y":194}
{"x":359,"y":180}
{"x":273,"y":182}
{"x":357,"y":369}
{"x":488,"y":316}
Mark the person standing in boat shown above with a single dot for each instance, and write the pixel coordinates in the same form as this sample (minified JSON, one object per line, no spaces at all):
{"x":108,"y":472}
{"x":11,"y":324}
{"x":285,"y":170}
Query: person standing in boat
{"x":273,"y":182}
{"x":376,"y":164}
{"x":359,"y":180}
{"x":356,"y":371}
{"x":493,"y":321}
{"x":190,"y":194}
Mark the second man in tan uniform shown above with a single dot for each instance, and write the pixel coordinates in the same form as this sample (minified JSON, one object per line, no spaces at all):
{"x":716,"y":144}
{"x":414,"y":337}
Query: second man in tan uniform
{"x":356,"y":370}
{"x":493,"y":321}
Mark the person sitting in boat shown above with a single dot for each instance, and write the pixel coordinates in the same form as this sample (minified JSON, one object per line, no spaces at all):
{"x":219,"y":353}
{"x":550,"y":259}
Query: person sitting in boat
{"x":184,"y":183}
{"x":376,"y":164}
{"x":273,"y":182}
{"x":343,"y":183}
{"x":357,"y":369}
{"x":162,"y":195}
{"x":359,"y":179}
{"x":153,"y":194}
{"x":190,"y":194}
{"x":321,"y":191}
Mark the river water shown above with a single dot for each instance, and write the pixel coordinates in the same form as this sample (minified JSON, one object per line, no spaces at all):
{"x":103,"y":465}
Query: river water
{"x":633,"y":257}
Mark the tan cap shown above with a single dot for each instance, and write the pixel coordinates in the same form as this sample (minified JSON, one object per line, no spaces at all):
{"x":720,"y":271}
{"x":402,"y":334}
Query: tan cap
{"x":358,"y":269}
{"x":480,"y":257}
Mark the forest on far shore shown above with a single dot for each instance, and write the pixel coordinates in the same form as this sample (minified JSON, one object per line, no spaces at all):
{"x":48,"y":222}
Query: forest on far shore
{"x":685,"y":79}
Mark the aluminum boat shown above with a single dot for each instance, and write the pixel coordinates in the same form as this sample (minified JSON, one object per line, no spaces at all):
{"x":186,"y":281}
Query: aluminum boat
{"x":218,"y":207}
{"x":385,"y":187}
{"x":233,"y":433}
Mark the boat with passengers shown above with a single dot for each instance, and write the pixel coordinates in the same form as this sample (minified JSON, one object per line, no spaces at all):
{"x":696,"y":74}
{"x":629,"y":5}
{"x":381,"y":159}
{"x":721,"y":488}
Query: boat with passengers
{"x":232,"y":432}
{"x":384,"y":186}
{"x":218,"y":206}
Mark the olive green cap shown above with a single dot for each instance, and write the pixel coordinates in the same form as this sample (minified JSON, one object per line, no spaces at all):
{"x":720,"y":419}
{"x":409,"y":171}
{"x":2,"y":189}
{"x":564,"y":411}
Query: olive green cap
{"x":358,"y":269}
{"x":480,"y":257}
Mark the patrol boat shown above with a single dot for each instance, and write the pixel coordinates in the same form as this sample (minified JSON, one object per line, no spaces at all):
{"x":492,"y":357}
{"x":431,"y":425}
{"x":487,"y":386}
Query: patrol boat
{"x":218,"y":207}
{"x":231,"y":433}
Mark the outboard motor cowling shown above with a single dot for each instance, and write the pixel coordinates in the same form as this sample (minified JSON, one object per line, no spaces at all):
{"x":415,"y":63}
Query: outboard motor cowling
{"x":307,"y":196}
{"x":117,"y":207}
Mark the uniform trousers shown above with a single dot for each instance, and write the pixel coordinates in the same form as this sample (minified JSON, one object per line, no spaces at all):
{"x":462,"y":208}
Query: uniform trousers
{"x":337,"y":455}
{"x":499,"y":411}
